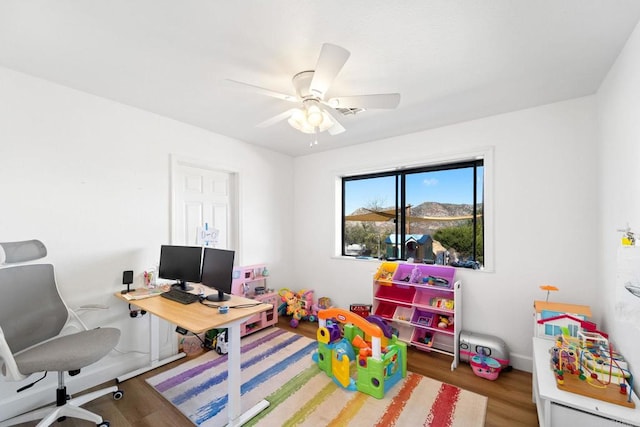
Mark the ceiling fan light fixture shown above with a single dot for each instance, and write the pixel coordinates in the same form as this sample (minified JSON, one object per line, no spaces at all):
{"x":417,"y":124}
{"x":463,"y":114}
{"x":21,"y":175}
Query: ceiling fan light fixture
{"x":327,"y":122}
{"x":314,"y":115}
{"x":298,"y":121}
{"x":298,"y":116}
{"x":311,"y":119}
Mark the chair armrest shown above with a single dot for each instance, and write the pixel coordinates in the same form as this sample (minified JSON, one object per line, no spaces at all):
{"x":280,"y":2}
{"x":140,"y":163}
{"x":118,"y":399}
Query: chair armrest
{"x":8,"y":365}
{"x":75,"y":323}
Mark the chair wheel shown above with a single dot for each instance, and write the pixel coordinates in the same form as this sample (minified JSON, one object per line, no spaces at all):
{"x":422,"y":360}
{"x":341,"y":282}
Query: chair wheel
{"x":117,"y":395}
{"x":103,"y":424}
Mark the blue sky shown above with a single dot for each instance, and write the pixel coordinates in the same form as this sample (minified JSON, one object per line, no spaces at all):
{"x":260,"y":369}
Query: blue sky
{"x":448,"y":186}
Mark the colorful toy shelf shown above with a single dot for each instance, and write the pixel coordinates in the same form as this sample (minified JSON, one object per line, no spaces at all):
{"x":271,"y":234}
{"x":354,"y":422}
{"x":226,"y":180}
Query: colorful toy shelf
{"x":422,"y":302}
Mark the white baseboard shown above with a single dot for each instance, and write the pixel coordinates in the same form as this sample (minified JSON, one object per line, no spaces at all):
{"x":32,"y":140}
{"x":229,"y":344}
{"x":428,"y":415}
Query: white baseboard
{"x":521,"y":363}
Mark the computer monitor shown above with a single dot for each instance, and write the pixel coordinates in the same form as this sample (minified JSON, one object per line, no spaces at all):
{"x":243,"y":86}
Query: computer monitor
{"x":217,"y":272}
{"x":181,"y":263}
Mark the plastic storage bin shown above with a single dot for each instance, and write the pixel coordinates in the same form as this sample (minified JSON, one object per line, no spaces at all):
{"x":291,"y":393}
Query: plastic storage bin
{"x":385,"y":310}
{"x":397,"y":293}
{"x":422,"y":338}
{"x":403,"y":313}
{"x":423,"y":318}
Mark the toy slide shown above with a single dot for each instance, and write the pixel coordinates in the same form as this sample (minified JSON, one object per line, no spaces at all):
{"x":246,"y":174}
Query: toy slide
{"x":359,"y":344}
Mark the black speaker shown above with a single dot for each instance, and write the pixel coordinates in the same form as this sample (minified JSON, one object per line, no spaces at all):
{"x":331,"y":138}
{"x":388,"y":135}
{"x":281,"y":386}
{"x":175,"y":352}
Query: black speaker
{"x":127,"y":277}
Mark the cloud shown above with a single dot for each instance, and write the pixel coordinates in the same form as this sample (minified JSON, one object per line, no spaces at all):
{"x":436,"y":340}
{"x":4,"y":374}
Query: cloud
{"x":430,"y":182}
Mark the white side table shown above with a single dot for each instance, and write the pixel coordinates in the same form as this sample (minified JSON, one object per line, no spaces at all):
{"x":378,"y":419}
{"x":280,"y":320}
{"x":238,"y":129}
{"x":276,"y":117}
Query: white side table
{"x":561,"y":408}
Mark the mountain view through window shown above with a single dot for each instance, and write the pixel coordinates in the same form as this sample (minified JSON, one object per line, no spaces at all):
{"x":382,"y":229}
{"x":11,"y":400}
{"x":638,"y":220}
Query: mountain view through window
{"x":431,"y":215}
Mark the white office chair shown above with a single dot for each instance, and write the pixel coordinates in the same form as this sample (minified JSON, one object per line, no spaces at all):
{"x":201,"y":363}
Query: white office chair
{"x":37,"y":334}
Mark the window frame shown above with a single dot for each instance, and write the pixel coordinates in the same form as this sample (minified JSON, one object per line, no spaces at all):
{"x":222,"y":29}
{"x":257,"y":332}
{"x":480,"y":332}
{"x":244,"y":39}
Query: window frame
{"x":443,"y":161}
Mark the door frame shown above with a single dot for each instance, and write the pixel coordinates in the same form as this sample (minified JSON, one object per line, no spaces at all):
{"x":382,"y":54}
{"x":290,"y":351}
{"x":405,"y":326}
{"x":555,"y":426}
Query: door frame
{"x":233,"y":231}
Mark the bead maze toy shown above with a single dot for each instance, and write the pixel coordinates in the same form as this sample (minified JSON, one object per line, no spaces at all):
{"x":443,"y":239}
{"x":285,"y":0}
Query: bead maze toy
{"x":587,"y":365}
{"x":359,"y":354}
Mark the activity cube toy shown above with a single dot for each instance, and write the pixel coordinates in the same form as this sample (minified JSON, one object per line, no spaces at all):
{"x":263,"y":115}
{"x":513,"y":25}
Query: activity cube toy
{"x":379,"y":357}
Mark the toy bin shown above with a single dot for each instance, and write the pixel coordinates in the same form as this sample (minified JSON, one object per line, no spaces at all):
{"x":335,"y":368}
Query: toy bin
{"x":422,"y":338}
{"x":436,"y":301}
{"x":485,"y":367}
{"x":402,"y":294}
{"x":403,"y":313}
{"x":404,"y":273}
{"x":423,"y":318}
{"x":443,"y":340}
{"x":385,"y":310}
{"x":404,"y":331}
{"x":431,"y":274}
{"x":385,"y":272}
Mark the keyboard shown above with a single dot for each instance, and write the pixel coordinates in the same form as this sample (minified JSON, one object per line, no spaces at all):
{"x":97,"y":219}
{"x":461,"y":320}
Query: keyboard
{"x":180,"y":296}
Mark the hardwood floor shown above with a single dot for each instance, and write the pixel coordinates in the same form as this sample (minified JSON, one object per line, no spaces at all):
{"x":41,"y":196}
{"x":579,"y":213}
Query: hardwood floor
{"x":509,"y":396}
{"x":510,"y":403}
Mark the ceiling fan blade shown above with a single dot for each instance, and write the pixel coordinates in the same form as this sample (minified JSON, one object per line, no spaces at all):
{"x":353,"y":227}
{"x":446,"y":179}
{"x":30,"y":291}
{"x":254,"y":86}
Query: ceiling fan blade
{"x":381,"y":101}
{"x":337,"y":128}
{"x":277,"y":118}
{"x":331,"y":60}
{"x":257,"y":89}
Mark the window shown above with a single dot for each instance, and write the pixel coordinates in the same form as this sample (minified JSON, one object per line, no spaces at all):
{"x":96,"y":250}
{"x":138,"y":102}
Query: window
{"x":433,"y":214}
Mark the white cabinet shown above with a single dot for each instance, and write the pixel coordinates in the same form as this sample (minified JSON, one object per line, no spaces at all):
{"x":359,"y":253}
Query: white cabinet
{"x":423,"y":303}
{"x":559,"y":408}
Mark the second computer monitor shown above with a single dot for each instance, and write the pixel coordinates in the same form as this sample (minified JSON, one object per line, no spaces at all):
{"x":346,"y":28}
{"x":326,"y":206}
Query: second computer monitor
{"x":217,"y":272}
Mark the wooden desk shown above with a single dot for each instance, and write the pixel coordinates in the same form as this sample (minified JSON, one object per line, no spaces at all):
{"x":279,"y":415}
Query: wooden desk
{"x":562,"y":408}
{"x":198,"y":318}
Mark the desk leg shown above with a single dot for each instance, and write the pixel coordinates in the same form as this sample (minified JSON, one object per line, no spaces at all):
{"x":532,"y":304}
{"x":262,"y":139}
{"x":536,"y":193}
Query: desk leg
{"x":154,"y":351}
{"x":236,"y":417}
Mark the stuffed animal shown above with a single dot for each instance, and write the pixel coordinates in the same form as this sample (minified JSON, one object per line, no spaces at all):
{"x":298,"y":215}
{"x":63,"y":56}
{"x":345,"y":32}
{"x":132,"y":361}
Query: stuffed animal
{"x":298,"y":305}
{"x":415,"y":275}
{"x":444,"y":322}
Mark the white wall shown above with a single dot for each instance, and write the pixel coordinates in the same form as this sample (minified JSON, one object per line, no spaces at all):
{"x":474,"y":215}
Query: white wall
{"x":544,"y":202}
{"x":619,"y":185}
{"x":90,"y":178}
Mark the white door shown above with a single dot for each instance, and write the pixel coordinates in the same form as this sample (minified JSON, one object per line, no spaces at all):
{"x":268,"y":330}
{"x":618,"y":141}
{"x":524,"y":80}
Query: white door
{"x":203,"y":197}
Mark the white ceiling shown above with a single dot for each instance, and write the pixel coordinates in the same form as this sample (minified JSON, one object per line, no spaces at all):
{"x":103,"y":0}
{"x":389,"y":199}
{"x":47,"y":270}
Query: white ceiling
{"x":451,"y":60}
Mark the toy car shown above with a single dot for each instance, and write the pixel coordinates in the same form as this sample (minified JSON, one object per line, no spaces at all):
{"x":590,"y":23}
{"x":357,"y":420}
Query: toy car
{"x":221,"y":344}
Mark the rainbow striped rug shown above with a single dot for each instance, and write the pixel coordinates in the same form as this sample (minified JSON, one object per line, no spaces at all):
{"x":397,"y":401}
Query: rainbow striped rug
{"x":277,"y":365}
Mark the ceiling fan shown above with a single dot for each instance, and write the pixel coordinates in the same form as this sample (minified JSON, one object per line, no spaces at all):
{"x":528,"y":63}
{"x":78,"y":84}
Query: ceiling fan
{"x":315,"y":113}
